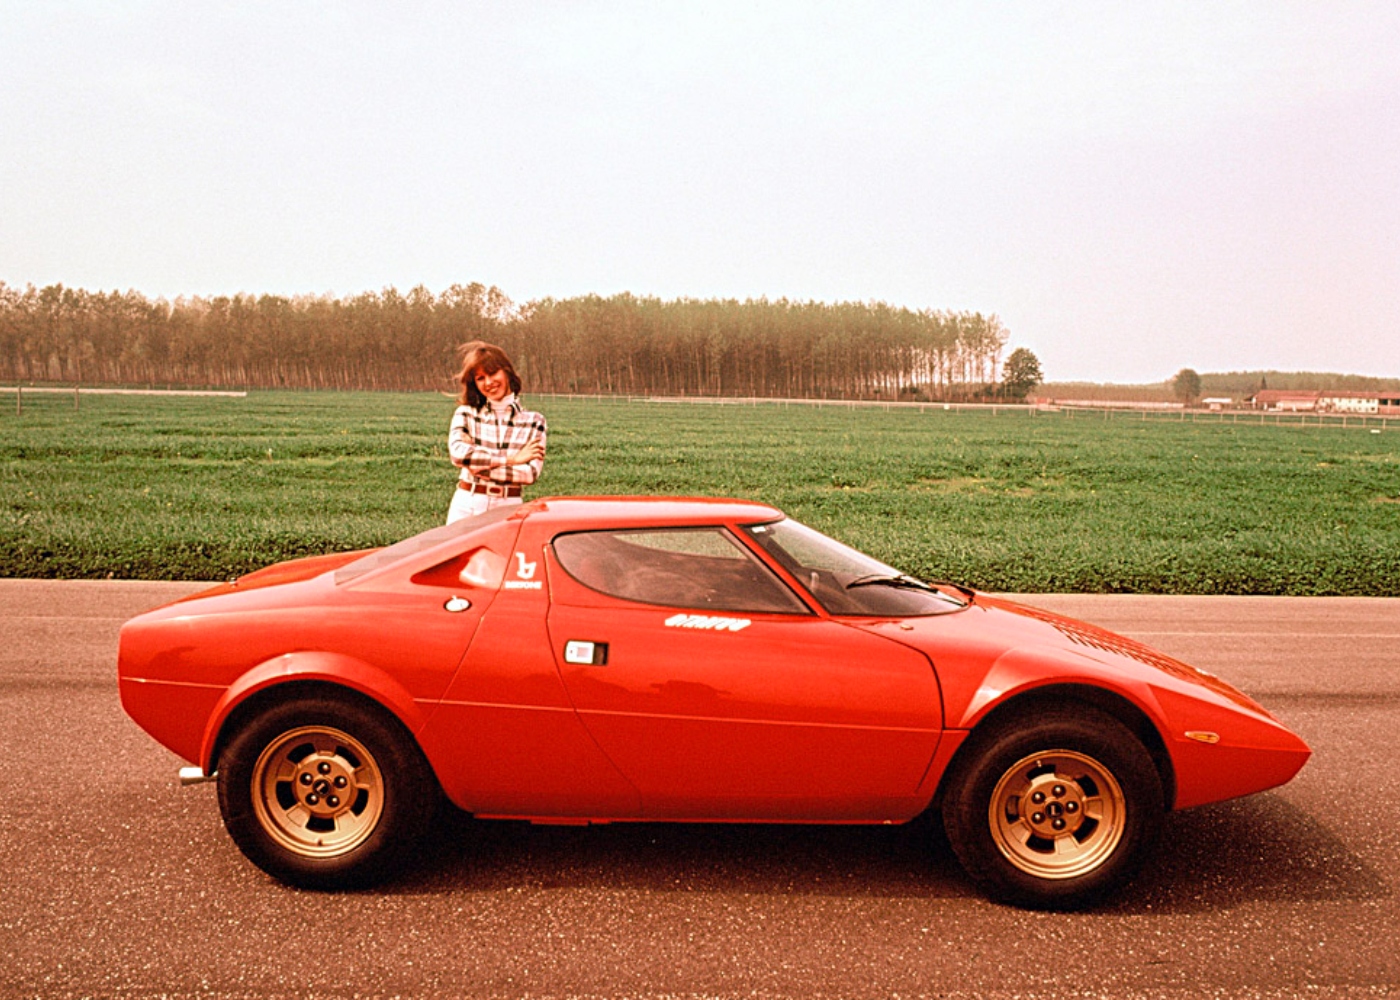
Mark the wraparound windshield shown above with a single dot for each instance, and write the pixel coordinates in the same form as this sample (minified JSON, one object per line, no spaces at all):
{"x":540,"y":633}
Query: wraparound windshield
{"x":844,"y":580}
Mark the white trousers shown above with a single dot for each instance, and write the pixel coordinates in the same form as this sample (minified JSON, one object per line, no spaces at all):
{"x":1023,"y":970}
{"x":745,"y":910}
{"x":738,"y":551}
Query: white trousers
{"x":465,"y":503}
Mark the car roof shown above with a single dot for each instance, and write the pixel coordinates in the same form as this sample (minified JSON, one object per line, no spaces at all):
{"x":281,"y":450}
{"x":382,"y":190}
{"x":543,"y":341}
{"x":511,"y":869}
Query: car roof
{"x":636,"y":511}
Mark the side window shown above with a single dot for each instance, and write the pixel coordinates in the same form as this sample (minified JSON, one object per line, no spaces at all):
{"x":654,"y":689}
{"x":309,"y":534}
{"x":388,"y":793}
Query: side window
{"x":676,"y":567}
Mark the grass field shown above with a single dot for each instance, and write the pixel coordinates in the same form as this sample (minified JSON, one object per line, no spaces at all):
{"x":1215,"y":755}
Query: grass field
{"x":192,"y":488}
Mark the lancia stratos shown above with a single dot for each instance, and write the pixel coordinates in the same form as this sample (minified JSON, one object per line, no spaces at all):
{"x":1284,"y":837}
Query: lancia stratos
{"x":608,"y":659}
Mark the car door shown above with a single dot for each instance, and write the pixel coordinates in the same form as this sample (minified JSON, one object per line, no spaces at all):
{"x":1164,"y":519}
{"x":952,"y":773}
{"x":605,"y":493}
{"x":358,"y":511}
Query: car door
{"x":504,"y":739}
{"x":720,"y":694}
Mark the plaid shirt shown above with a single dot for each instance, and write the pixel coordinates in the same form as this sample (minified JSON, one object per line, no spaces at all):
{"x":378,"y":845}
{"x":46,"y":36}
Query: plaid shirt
{"x":479,"y":442}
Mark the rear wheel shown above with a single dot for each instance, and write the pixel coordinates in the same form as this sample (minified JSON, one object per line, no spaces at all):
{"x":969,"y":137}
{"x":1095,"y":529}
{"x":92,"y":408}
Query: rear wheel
{"x":325,"y":793}
{"x":1054,"y":808}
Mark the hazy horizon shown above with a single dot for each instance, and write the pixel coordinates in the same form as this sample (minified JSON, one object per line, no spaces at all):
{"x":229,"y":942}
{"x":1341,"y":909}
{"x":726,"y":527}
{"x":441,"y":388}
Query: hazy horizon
{"x":1131,"y":190}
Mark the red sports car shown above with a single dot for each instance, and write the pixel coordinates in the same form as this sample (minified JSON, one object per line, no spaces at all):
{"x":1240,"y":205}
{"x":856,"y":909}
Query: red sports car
{"x":606,"y":659}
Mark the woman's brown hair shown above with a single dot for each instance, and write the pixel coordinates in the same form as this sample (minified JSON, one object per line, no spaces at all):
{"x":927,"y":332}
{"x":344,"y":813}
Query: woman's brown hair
{"x":477,"y":355}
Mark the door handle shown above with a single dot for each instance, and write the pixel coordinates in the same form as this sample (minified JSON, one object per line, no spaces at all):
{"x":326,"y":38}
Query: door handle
{"x":591,"y":653}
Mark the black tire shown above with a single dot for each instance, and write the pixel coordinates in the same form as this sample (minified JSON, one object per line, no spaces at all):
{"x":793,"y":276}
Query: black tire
{"x":325,"y":792}
{"x":1054,"y":808}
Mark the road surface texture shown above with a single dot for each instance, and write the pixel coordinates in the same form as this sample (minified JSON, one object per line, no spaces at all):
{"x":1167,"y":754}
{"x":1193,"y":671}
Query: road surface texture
{"x":117,"y":882}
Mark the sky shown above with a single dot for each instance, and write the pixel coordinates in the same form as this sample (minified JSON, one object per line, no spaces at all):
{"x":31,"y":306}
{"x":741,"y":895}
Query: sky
{"x":1133,"y":188}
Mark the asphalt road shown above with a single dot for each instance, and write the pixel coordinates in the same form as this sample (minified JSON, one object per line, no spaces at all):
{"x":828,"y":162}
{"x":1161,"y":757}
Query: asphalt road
{"x":114,"y":881}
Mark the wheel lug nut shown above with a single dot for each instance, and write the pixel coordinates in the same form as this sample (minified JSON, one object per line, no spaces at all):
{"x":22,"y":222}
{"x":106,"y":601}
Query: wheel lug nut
{"x":340,"y":781}
{"x":333,"y":801}
{"x":1059,"y":824}
{"x":324,"y":767}
{"x":313,"y":799}
{"x":1038,"y":817}
{"x":1038,"y":798}
{"x":1071,"y":807}
{"x":1058,"y":791}
{"x":305,"y":778}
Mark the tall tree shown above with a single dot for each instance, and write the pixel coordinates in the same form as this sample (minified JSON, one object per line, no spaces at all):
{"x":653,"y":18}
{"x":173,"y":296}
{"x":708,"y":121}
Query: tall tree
{"x":1021,"y":374}
{"x":1186,"y":386}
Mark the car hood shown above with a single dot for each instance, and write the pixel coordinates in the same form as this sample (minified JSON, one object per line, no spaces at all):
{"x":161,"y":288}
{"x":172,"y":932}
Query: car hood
{"x":996,"y":644}
{"x":1110,"y":647}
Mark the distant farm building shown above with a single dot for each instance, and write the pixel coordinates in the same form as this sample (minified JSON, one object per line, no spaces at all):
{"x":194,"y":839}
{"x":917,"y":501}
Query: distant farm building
{"x":1286,"y":400}
{"x":1327,"y":401}
{"x":1361,"y":402}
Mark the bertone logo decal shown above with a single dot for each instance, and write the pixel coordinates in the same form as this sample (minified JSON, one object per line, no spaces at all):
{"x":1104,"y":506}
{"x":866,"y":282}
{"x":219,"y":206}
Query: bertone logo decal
{"x":706,"y":622}
{"x":525,"y":571}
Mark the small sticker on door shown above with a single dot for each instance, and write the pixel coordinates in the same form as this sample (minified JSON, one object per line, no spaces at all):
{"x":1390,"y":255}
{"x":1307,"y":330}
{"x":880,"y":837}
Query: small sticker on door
{"x":707,"y":622}
{"x":524,"y":575}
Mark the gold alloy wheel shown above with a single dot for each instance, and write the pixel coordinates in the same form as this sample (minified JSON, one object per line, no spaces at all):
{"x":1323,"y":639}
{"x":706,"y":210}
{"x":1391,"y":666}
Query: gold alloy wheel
{"x":1057,"y":814}
{"x":317,"y":791}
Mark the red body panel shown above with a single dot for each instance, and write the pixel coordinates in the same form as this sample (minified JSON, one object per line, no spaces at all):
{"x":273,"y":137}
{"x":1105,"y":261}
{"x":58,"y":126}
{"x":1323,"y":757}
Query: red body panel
{"x":506,"y":741}
{"x":775,"y":717}
{"x":793,"y":716}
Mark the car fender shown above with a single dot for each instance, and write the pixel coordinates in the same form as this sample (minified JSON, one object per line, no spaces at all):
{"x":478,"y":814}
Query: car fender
{"x":310,"y":665}
{"x":1021,"y":670}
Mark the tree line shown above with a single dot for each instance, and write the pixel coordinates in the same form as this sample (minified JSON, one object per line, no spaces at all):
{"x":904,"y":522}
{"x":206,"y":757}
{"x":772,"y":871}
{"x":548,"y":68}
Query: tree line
{"x":1237,"y":385}
{"x":620,"y":344}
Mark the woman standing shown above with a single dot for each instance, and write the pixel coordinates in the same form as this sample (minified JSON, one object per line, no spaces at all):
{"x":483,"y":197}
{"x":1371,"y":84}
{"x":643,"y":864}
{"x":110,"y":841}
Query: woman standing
{"x":498,"y":445}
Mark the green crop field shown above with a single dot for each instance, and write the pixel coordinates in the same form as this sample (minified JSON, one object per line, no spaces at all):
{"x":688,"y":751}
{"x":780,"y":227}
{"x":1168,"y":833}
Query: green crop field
{"x":206,"y":488}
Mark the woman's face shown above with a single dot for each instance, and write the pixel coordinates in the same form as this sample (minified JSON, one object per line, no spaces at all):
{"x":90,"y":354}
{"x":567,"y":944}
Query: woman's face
{"x":495,"y":385}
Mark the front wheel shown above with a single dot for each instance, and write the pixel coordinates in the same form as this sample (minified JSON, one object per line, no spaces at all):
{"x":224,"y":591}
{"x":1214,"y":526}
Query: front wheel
{"x":1054,"y":808}
{"x":325,"y":793}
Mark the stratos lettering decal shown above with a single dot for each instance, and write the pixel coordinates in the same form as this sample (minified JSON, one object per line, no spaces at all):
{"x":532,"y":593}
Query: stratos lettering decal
{"x":706,"y":622}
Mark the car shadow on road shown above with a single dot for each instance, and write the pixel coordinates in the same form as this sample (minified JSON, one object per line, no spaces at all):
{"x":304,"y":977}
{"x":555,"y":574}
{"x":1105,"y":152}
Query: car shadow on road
{"x":1250,"y":850}
{"x":1257,"y":849}
{"x":853,"y":861}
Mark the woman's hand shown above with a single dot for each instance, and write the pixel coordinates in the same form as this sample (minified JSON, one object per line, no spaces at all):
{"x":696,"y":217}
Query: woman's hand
{"x":526,"y":454}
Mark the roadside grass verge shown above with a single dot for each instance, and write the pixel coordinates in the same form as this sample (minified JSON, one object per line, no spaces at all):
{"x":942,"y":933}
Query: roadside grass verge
{"x":193,"y":488}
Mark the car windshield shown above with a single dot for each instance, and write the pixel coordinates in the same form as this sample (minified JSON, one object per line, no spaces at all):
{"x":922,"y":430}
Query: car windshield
{"x":419,"y":542}
{"x":844,"y":580}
